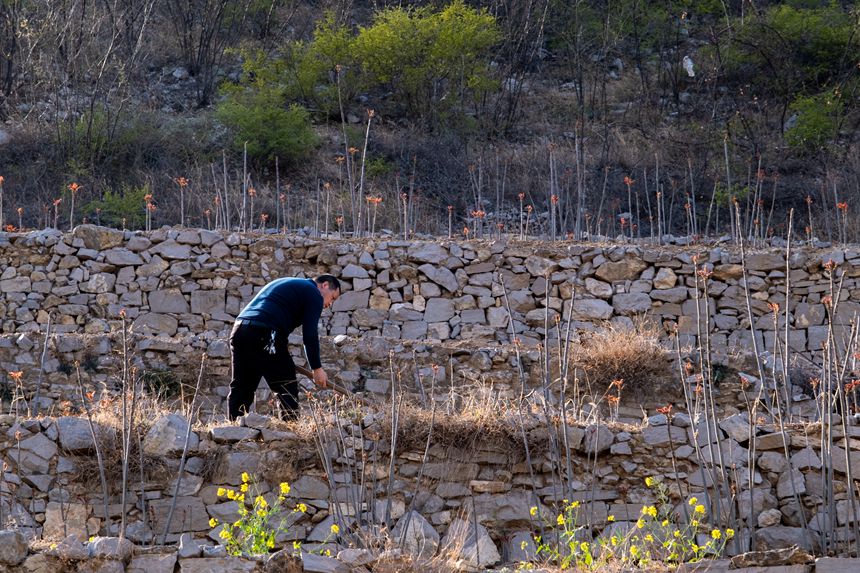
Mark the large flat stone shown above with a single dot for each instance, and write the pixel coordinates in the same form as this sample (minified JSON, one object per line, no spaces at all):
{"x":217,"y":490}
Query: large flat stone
{"x":837,"y":565}
{"x":219,"y":564}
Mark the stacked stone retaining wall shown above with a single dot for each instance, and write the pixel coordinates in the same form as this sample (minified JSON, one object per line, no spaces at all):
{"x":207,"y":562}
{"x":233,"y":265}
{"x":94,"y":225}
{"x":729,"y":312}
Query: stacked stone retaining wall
{"x":181,"y":289}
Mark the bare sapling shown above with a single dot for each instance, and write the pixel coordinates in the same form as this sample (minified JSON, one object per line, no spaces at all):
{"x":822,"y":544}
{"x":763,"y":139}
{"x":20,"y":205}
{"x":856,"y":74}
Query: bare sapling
{"x":85,"y":401}
{"x":183,"y":458}
{"x":42,"y":360}
{"x":370,"y":114}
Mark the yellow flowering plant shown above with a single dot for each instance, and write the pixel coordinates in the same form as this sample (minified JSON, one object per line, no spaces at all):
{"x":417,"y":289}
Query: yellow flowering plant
{"x":568,"y":549}
{"x":260,"y":520}
{"x":655,"y":537}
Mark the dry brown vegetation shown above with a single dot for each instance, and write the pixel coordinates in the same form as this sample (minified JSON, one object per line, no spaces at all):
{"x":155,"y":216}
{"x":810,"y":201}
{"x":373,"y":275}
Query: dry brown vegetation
{"x":633,"y":355}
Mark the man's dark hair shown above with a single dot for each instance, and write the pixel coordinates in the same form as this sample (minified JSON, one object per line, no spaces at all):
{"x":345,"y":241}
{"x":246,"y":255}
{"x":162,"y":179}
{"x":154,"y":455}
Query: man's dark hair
{"x":331,"y":280}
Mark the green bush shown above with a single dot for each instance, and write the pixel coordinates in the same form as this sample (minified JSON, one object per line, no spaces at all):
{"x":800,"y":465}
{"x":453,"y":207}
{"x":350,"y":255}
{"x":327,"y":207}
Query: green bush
{"x":816,"y":121}
{"x":431,"y":61}
{"x":791,"y":49}
{"x":128,"y":203}
{"x":259,"y":116}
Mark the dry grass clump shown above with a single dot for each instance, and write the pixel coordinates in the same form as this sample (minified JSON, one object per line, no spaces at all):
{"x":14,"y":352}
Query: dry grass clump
{"x":461,"y":430}
{"x":633,"y":355}
{"x":155,"y":468}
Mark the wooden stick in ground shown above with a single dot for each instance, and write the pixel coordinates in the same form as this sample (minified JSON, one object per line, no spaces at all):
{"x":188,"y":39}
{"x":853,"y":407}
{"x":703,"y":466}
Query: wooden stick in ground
{"x":335,"y":386}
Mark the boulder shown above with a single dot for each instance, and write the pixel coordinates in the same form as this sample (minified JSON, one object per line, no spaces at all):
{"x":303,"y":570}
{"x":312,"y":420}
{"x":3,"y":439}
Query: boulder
{"x":219,"y":564}
{"x":167,"y":436}
{"x":111,"y":548}
{"x":426,"y":252}
{"x":625,"y":269}
{"x":417,"y":535}
{"x":13,"y":547}
{"x":98,"y":238}
{"x":152,"y":563}
{"x":441,"y":276}
{"x":75,"y":435}
{"x":783,"y":537}
{"x":665,"y":279}
{"x":69,"y":549}
{"x":313,"y":563}
{"x":470,"y":544}
{"x":631,"y":303}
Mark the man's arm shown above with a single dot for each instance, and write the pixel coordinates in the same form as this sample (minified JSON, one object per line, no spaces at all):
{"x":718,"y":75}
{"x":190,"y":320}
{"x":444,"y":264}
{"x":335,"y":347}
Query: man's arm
{"x":311,"y":339}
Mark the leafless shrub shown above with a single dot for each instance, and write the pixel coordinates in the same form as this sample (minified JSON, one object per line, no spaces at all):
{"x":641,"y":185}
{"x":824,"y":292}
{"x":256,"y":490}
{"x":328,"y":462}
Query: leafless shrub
{"x":633,"y":355}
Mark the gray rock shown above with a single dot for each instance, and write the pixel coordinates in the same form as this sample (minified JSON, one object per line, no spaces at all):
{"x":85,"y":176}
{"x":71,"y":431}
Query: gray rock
{"x":168,"y":301}
{"x":36,"y":452}
{"x":675,"y":295}
{"x":41,"y":563}
{"x":101,"y":566}
{"x":322,"y":530}
{"x":539,"y":266}
{"x":123,"y":257}
{"x":507,"y":511}
{"x":111,"y":548}
{"x":188,"y":547}
{"x":441,"y":276}
{"x":598,"y":438}
{"x":789,"y":482}
{"x":737,"y":427}
{"x":626,"y":269}
{"x":190,"y":515}
{"x":765,"y":262}
{"x":167,"y":436}
{"x":352,"y":271}
{"x":769,"y":517}
{"x":661,"y":435}
{"x":837,"y":565}
{"x":98,"y":238}
{"x":171,"y":250}
{"x":762,"y":500}
{"x":309,"y":487}
{"x":781,"y":537}
{"x":427,"y":252}
{"x":464,"y":541}
{"x":69,"y":549}
{"x":419,"y":537}
{"x":313,"y":563}
{"x":153,"y":563}
{"x":592,"y":309}
{"x":17,"y":284}
{"x":631,"y":303}
{"x":439,"y":310}
{"x":520,"y":547}
{"x":351,"y":300}
{"x":356,"y":557}
{"x":598,"y":288}
{"x":284,"y":561}
{"x":233,"y":464}
{"x":232,"y":434}
{"x":219,"y":564}
{"x":99,"y":283}
{"x":75,"y":435}
{"x":208,"y":301}
{"x":70,"y":519}
{"x":665,"y":279}
{"x":805,"y":459}
{"x":13,"y":547}
{"x":154,"y":323}
{"x":772,"y":462}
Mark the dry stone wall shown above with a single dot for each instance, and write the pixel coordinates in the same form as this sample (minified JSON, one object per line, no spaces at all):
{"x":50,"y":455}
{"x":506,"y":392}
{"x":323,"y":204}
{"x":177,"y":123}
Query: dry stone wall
{"x":49,"y":489}
{"x":180,"y":290}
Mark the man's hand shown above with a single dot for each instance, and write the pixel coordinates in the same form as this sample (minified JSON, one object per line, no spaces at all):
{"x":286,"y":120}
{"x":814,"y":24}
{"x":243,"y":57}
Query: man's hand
{"x":320,"y":378}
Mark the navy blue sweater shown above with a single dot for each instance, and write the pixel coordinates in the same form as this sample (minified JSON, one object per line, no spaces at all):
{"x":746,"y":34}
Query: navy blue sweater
{"x":285,"y":303}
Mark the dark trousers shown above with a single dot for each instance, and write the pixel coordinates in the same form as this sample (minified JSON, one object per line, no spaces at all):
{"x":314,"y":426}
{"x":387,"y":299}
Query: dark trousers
{"x":259,"y":352}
